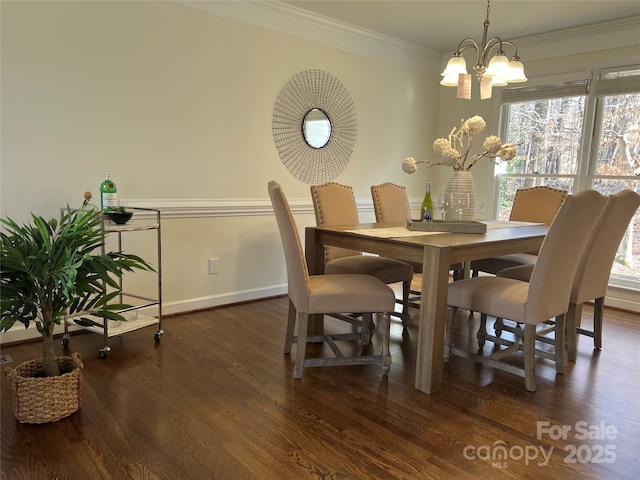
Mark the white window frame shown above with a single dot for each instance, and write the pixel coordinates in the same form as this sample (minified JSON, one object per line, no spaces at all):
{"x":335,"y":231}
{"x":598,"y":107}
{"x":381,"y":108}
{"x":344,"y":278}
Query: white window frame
{"x":548,"y":87}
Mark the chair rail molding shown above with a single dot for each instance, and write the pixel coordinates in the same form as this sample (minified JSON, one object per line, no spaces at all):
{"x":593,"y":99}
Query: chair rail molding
{"x":236,"y":207}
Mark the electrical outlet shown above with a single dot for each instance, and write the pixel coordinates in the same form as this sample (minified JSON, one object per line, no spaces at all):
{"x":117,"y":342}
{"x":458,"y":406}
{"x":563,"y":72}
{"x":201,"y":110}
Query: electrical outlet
{"x":214,"y":265}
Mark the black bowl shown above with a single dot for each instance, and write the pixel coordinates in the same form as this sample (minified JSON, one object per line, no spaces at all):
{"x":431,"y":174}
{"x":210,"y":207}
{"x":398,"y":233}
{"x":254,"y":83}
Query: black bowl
{"x":120,"y":218}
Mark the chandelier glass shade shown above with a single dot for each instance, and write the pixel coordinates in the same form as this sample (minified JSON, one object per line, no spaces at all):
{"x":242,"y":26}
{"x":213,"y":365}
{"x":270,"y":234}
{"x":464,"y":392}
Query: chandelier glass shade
{"x":492,"y":66}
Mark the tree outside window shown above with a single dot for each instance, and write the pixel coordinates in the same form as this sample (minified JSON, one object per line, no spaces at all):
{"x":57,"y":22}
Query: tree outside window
{"x":562,"y":148}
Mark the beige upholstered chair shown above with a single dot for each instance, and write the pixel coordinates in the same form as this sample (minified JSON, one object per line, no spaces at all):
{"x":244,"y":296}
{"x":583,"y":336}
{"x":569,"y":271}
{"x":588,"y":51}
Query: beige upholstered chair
{"x":537,"y":204}
{"x":391,"y":204}
{"x":531,"y":303}
{"x":592,"y":277}
{"x":325,"y":294}
{"x":335,"y":204}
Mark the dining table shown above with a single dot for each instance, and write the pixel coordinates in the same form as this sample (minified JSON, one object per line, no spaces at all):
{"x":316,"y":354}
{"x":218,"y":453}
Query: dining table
{"x":436,"y":251}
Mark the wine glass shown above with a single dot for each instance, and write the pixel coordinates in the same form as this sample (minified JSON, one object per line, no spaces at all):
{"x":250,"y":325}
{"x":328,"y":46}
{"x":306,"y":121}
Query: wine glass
{"x":460,"y":203}
{"x":443,"y":203}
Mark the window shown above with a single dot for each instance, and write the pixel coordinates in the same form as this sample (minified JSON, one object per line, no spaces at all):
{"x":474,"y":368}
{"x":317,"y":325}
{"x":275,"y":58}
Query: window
{"x":577,"y":134}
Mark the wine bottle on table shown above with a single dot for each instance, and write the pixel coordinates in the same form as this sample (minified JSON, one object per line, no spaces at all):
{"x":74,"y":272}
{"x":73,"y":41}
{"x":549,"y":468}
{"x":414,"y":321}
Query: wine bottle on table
{"x":426,"y":209}
{"x":108,"y":196}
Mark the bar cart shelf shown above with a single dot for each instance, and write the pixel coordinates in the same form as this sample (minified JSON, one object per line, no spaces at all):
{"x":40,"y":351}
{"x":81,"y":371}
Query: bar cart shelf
{"x":143,"y":219}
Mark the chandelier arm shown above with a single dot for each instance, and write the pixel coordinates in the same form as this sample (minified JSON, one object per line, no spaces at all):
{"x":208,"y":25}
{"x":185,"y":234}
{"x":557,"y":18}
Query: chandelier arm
{"x":471,"y":43}
{"x":493,"y":43}
{"x":498,"y":45}
{"x":511,"y":44}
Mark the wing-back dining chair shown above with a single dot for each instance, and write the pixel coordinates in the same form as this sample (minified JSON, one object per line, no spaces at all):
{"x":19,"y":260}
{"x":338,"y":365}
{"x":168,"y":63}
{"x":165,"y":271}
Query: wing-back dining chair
{"x":592,"y":276}
{"x":326,"y":294}
{"x":531,"y":303}
{"x":536,"y":204}
{"x":391,"y":204}
{"x":335,"y":204}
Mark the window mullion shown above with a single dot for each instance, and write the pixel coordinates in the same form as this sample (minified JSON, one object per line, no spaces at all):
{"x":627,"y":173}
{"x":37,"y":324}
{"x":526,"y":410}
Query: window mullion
{"x":589,"y":143}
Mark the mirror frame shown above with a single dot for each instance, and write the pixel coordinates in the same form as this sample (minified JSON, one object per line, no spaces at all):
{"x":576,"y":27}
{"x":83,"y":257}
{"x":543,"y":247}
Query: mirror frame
{"x":308,"y":90}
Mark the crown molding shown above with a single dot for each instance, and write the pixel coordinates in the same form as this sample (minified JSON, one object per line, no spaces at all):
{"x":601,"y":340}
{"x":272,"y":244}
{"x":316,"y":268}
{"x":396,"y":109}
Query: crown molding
{"x":584,"y":39}
{"x":630,"y":24}
{"x":296,"y":22}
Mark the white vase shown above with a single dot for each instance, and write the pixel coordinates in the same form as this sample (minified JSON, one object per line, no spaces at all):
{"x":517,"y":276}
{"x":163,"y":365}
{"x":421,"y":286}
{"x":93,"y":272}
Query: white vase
{"x":461,"y":182}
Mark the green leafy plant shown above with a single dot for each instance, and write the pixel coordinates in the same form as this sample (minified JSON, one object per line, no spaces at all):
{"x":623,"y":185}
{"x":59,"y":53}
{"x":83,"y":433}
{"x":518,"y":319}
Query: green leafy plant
{"x":50,"y":269}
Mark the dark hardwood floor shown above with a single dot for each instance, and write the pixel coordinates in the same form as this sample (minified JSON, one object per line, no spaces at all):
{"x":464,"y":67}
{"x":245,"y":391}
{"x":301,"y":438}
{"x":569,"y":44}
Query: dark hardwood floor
{"x":215,"y":399}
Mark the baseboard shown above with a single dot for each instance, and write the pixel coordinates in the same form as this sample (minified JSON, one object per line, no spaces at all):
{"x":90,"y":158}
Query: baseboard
{"x":623,"y":299}
{"x":18,"y":333}
{"x":223,"y":299}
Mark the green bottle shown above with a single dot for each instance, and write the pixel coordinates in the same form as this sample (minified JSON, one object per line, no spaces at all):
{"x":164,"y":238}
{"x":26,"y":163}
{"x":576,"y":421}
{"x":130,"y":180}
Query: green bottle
{"x":426,"y":209}
{"x":108,"y":197}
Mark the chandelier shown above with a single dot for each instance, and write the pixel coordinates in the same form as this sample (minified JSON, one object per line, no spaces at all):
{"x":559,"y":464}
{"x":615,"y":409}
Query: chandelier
{"x":498,"y":71}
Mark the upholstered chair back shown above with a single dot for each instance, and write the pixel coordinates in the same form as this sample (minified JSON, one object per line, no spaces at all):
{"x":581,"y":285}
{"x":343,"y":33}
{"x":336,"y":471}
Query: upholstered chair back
{"x":297,"y":272}
{"x":335,"y":204}
{"x":560,"y":254}
{"x":537,"y":204}
{"x":592,"y":277}
{"x":390,"y":202}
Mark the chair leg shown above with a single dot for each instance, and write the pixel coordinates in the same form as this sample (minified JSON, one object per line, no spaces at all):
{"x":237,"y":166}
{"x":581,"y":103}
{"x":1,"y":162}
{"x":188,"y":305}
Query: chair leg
{"x":474,"y":273}
{"x":367,"y":328}
{"x":385,"y":320}
{"x":559,"y":335}
{"x":448,"y":332}
{"x":598,"y":317}
{"x":291,"y":325}
{"x":482,"y":331}
{"x":406,"y":291}
{"x":497,"y":326}
{"x":530,"y":357}
{"x":303,"y":321}
{"x":574,"y":313}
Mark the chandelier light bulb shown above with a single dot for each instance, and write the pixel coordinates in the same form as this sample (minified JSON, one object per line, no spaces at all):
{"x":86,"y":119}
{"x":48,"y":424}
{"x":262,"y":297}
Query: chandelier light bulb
{"x":498,"y":66}
{"x":450,"y":80}
{"x":455,"y":66}
{"x":498,"y":81}
{"x":516,"y":71}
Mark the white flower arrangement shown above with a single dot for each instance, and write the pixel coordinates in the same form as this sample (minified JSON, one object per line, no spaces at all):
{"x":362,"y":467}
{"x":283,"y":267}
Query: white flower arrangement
{"x":460,"y":140}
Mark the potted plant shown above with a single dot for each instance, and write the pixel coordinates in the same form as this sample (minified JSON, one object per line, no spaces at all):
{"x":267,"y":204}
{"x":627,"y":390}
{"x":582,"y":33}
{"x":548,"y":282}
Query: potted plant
{"x":50,"y":269}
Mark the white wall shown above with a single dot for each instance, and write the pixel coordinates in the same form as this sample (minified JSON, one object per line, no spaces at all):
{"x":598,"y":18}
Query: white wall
{"x":172,"y":102}
{"x":176,"y":105}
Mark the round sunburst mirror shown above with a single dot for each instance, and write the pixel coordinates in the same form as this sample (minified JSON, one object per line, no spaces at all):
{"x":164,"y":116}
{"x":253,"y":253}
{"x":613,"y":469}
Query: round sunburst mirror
{"x":314,"y":126}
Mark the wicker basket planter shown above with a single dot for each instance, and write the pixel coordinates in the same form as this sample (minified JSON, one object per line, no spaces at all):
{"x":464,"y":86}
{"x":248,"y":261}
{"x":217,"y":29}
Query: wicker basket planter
{"x":46,"y":399}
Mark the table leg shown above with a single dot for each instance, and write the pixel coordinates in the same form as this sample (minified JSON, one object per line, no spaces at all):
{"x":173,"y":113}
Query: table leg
{"x":435,"y":280}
